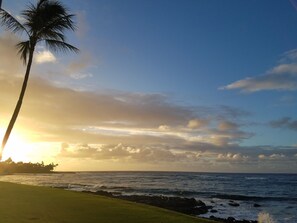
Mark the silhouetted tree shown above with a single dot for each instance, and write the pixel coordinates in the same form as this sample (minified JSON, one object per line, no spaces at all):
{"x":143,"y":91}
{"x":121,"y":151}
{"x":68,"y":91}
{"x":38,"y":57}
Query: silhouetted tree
{"x":46,"y":20}
{"x":8,"y":166}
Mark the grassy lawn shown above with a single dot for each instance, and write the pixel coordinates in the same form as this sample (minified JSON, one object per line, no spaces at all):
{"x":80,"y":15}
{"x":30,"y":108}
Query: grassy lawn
{"x":22,"y":203}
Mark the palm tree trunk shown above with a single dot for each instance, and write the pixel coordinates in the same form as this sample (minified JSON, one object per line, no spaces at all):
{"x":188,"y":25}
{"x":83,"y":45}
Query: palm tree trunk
{"x":19,"y":103}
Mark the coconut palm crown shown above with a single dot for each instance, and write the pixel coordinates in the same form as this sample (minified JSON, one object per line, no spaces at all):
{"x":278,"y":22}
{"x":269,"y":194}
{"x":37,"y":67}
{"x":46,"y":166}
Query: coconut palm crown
{"x":45,"y":21}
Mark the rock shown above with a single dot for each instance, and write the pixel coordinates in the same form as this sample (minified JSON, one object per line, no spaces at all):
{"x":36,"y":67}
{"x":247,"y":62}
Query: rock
{"x":213,"y":211}
{"x":180,"y":204}
{"x":230,"y":220}
{"x":103,"y":193}
{"x":200,"y":203}
{"x":257,"y":205}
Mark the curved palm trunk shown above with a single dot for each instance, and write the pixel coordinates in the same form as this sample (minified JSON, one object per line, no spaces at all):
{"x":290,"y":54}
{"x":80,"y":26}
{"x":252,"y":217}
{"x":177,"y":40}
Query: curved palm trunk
{"x":19,"y":103}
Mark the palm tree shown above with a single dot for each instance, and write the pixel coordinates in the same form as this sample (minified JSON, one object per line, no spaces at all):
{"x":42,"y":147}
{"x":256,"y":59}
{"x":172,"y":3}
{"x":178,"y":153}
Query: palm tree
{"x":45,"y":21}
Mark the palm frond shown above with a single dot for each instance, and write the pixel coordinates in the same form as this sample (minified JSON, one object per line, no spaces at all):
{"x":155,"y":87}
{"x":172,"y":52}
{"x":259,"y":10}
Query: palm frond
{"x":23,"y":50}
{"x":51,"y":34}
{"x":10,"y":23}
{"x":54,"y":29}
{"x":58,"y":46}
{"x":40,"y":2}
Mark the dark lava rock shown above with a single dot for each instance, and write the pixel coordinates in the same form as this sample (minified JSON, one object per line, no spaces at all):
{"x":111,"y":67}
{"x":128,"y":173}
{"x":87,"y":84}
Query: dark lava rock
{"x":100,"y":192}
{"x":200,"y":203}
{"x":230,"y":220}
{"x":257,"y":205}
{"x":180,"y":204}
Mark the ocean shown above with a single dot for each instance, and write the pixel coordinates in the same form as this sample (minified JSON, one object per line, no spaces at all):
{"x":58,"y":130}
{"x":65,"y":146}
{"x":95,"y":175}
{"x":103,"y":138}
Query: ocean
{"x":275,"y":194}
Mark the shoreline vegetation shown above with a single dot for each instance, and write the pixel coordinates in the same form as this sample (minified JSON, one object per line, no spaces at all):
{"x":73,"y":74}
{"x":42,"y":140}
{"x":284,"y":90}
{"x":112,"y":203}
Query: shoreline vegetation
{"x":45,"y":204}
{"x":10,"y":167}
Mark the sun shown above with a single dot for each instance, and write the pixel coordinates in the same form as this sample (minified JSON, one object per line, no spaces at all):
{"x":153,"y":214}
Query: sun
{"x":17,"y":148}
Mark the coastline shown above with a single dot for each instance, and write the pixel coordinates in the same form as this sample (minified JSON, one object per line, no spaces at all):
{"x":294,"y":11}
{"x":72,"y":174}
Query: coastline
{"x":245,"y":201}
{"x":24,"y":203}
{"x":189,"y":206}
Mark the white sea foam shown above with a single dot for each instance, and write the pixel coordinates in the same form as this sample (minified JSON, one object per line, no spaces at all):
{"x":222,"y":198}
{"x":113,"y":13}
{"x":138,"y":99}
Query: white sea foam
{"x":264,"y":217}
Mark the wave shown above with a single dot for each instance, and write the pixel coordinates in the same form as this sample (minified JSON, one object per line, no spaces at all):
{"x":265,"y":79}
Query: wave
{"x":255,"y":178}
{"x":252,"y":198}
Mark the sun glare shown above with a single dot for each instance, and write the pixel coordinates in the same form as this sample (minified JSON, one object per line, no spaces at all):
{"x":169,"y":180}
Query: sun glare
{"x":17,"y":148}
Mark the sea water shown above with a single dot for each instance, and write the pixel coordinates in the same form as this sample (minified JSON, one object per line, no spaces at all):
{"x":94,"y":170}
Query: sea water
{"x":276,"y":194}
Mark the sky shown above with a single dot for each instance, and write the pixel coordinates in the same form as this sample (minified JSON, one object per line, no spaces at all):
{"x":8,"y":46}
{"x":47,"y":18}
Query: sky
{"x":169,"y":85}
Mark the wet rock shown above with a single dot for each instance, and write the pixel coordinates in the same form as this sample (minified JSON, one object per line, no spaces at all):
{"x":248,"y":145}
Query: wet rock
{"x":200,"y":203}
{"x":230,"y":220}
{"x":180,"y":204}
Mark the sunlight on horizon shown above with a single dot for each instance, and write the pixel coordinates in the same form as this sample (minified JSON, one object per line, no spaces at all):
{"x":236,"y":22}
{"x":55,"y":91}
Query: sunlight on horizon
{"x":18,"y":148}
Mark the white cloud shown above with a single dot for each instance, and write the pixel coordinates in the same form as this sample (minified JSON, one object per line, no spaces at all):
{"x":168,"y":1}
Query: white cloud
{"x":273,"y":156}
{"x":265,"y":82}
{"x":164,"y":128}
{"x":285,"y":68}
{"x":230,"y":157}
{"x":281,"y":77}
{"x":44,"y":56}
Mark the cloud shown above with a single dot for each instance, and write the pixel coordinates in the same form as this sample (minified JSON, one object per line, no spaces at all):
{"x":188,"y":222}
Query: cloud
{"x":227,"y":125}
{"x":281,"y":77}
{"x":133,"y":128}
{"x":77,"y":69}
{"x":229,"y":157}
{"x":203,"y":157}
{"x":265,"y":82}
{"x":285,"y":122}
{"x":79,"y":76}
{"x":197,"y":123}
{"x":83,"y":62}
{"x":273,"y":156}
{"x":164,"y":128}
{"x":132,"y":153}
{"x":44,"y":56}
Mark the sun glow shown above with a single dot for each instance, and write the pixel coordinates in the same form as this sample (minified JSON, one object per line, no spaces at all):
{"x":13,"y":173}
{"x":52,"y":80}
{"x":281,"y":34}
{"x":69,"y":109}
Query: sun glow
{"x":18,"y":148}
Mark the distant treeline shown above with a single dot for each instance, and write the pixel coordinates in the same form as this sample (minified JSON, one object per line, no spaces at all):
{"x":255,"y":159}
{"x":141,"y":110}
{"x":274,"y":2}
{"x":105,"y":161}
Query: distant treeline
{"x":8,"y":166}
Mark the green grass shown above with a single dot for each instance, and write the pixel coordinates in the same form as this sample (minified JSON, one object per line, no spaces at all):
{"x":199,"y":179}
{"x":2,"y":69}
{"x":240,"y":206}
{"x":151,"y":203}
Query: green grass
{"x":22,"y":203}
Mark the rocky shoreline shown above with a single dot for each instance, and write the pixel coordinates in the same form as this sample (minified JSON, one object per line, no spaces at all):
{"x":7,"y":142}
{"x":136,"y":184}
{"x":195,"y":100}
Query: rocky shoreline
{"x":189,"y":206}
